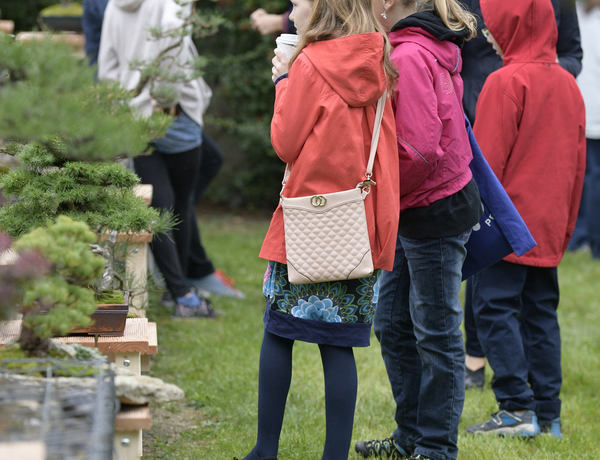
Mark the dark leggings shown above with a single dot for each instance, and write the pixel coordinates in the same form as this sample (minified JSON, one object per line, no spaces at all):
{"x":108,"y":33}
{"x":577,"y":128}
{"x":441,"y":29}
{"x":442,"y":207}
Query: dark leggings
{"x":198,"y":263}
{"x":275,"y":375}
{"x":173,"y":178}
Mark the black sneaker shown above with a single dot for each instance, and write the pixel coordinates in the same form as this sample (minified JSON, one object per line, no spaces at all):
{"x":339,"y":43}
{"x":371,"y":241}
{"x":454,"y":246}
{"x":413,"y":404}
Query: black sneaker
{"x":418,"y":457}
{"x":505,"y":423}
{"x":474,"y":379}
{"x":380,"y":448}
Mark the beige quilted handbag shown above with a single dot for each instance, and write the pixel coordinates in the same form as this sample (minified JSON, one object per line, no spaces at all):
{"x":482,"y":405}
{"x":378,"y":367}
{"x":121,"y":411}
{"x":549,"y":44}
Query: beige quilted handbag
{"x":326,"y":236}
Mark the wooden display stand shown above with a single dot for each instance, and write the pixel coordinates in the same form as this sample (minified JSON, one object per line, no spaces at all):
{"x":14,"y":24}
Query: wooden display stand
{"x":129,"y":423}
{"x":70,"y":38}
{"x":7,"y":26}
{"x":139,"y":339}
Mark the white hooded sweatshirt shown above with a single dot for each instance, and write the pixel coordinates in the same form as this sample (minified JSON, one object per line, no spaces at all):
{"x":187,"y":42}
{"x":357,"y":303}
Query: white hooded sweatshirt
{"x":126,"y":38}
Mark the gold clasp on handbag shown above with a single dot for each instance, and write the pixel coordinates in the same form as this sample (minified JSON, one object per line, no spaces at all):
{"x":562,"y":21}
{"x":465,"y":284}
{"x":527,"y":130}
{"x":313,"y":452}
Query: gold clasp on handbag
{"x":365,"y":185}
{"x":318,"y":201}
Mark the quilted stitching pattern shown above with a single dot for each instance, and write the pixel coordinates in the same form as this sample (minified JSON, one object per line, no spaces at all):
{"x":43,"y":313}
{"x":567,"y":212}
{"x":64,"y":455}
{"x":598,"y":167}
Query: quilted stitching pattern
{"x":327,"y":244}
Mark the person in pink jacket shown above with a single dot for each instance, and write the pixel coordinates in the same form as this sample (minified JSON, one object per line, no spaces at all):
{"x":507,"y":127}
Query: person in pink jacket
{"x":418,"y":316}
{"x":322,"y":128}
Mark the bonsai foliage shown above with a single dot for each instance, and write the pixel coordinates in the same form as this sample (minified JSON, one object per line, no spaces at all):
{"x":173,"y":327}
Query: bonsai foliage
{"x":64,"y":298}
{"x":48,"y":97}
{"x":99,"y":194}
{"x":26,"y":266}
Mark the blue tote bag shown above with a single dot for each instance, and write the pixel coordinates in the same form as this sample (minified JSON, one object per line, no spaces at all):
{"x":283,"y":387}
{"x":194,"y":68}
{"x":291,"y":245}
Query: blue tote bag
{"x":501,"y":230}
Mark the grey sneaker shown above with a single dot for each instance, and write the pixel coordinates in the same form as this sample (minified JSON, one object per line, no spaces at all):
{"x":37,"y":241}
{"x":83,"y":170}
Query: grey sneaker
{"x":505,"y":423}
{"x":380,"y":448}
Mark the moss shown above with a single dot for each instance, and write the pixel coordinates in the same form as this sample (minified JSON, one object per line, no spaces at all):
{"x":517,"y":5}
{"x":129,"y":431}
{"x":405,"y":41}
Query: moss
{"x":12,"y":352}
{"x":72,"y":9}
{"x":113,"y":297}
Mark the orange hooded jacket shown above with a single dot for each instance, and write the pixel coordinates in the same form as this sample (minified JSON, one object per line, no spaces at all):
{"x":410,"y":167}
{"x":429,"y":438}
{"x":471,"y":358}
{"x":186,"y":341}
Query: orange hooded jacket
{"x":322,"y":126}
{"x":530,"y":125}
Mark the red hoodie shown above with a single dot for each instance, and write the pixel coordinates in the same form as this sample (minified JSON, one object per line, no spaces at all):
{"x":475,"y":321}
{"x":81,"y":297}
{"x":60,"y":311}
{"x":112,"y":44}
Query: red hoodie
{"x":322,"y":126}
{"x":530,"y":124}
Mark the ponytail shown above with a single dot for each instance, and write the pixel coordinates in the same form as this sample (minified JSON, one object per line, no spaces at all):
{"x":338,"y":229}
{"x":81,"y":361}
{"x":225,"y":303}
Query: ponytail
{"x":454,"y":16}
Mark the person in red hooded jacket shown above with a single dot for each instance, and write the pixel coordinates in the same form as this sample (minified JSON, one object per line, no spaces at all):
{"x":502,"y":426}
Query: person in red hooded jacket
{"x":530,"y":124}
{"x":322,"y":128}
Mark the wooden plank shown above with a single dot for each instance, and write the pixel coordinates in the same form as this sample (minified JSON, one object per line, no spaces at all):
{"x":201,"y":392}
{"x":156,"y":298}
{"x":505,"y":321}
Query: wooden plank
{"x":9,"y":331}
{"x":152,"y":339}
{"x":144,"y":191}
{"x":8,"y":257}
{"x":138,"y":336}
{"x":135,"y":338}
{"x":71,"y":38}
{"x":136,"y":274}
{"x":123,"y":237}
{"x":128,"y":445}
{"x":132,"y":418}
{"x":24,"y":450}
{"x":7,"y":25}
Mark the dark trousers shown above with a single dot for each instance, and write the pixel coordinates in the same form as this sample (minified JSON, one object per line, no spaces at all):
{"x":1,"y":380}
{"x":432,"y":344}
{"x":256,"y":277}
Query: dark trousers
{"x":173,"y":178}
{"x":211,"y":160}
{"x":587,"y":229}
{"x":514,"y":308}
{"x":472,"y":345}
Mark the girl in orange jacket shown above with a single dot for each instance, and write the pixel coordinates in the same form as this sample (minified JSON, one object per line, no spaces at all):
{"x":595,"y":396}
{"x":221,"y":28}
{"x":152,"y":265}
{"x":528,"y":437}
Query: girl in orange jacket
{"x":322,"y":127}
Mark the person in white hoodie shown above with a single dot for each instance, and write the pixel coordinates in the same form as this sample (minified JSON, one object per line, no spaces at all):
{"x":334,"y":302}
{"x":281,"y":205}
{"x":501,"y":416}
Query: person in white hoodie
{"x":173,"y":165}
{"x":587,"y":229}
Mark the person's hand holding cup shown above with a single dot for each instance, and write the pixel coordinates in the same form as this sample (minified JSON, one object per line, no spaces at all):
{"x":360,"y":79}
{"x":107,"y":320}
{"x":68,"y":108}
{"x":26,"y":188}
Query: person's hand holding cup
{"x":280,"y":64}
{"x":286,"y":47}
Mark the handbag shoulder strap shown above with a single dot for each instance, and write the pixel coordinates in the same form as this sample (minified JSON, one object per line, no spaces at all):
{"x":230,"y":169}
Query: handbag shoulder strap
{"x":375,"y":138}
{"x":374,"y":143}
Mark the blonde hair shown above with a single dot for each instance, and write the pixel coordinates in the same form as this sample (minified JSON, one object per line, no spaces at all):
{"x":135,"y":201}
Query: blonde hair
{"x":339,"y":18}
{"x":453,"y":15}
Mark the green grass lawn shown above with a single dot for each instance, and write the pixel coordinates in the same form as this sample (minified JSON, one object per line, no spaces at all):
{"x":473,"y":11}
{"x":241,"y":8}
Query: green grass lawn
{"x":216,"y":363}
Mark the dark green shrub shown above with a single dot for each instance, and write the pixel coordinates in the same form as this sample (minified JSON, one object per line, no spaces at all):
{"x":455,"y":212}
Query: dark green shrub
{"x":239,"y":72}
{"x":24,"y":12}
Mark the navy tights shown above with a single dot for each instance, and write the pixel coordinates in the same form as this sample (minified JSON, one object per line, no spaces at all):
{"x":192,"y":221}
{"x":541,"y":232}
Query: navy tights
{"x":275,"y":375}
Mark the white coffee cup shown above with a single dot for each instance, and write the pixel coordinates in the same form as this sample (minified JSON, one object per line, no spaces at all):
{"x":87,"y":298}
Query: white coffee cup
{"x":287,"y":44}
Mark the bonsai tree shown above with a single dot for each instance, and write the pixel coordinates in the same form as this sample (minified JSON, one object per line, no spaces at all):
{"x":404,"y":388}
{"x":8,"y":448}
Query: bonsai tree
{"x":68,"y":132}
{"x":26,"y":266}
{"x":64,"y":297}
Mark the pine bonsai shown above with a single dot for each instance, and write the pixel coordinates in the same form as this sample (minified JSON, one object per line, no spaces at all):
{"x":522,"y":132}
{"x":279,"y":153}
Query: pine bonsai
{"x":63,"y":298}
{"x":68,"y":132}
{"x":26,"y":266}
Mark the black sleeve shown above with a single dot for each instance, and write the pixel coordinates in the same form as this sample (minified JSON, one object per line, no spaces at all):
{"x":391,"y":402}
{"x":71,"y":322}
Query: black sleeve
{"x":568,"y":46}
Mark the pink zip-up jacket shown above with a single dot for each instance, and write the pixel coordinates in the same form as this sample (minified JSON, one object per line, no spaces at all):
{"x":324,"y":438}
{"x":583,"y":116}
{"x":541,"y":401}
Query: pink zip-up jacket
{"x":430,"y":125}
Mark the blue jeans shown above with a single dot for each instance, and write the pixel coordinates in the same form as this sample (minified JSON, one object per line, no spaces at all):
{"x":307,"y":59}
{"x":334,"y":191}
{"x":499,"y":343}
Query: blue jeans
{"x":515,"y":314}
{"x":587,"y":229}
{"x":417,"y":323}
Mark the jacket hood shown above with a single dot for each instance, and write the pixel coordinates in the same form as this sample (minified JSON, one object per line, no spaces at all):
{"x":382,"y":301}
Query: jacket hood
{"x":432,"y":23}
{"x":352,"y":66}
{"x":525,"y":31}
{"x":446,"y":52}
{"x":128,"y":5}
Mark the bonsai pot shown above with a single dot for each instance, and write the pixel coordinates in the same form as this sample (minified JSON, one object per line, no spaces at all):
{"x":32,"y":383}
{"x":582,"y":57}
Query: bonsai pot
{"x":108,"y":319}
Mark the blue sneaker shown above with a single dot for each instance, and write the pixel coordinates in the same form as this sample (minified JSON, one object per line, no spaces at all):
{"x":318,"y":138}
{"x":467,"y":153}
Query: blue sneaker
{"x":505,"y":423}
{"x":192,"y":306}
{"x":551,"y":427}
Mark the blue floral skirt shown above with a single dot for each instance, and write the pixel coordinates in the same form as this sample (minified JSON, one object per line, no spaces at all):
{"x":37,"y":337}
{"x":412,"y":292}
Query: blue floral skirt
{"x":336,"y":313}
